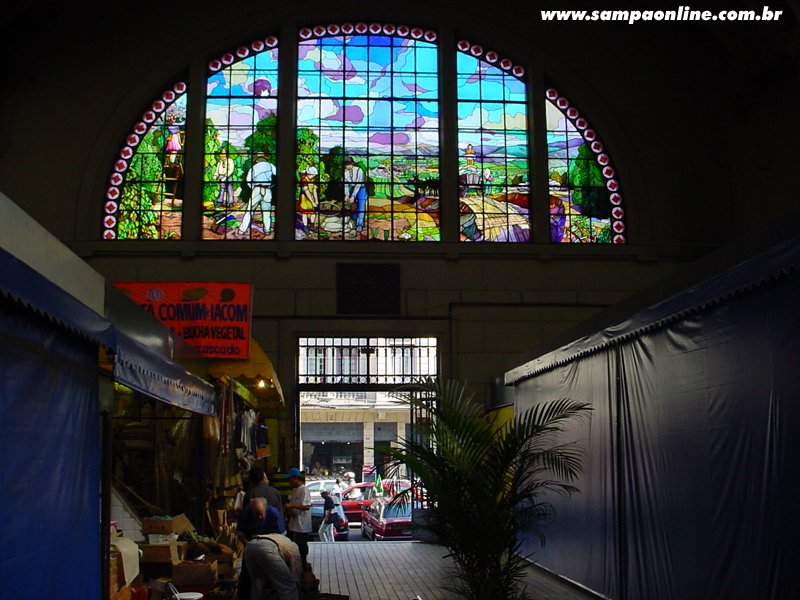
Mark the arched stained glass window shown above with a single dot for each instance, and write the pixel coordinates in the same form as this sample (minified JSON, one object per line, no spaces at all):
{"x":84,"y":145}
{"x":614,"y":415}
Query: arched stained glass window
{"x":145,"y":193}
{"x":585,"y":203}
{"x":367,"y":133}
{"x":241,"y":143}
{"x":493,"y":147}
{"x":368,"y":101}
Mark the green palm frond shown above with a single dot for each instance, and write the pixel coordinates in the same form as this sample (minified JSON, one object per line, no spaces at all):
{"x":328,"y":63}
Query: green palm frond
{"x":486,"y":484}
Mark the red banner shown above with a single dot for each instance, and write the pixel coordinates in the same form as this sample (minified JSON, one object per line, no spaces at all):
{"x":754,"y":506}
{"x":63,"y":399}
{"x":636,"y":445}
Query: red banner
{"x":212,"y":317}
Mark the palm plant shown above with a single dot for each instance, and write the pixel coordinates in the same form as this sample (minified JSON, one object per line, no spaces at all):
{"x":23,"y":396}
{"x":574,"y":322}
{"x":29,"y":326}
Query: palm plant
{"x":486,"y":484}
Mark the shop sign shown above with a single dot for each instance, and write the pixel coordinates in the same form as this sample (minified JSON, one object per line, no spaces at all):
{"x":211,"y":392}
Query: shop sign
{"x":212,"y":317}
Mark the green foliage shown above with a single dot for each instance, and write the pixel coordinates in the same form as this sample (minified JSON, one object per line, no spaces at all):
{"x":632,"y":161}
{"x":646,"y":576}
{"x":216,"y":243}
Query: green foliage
{"x":307,"y":151}
{"x":212,"y":146}
{"x":604,"y":235}
{"x":334,"y":166}
{"x":486,"y":484}
{"x":586,"y":177}
{"x":136,"y":219}
{"x":264,"y":139}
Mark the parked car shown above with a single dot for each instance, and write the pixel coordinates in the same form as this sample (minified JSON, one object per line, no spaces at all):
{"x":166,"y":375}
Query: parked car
{"x":385,"y":520}
{"x":315,"y":486}
{"x":396,"y":486}
{"x":357,"y":498}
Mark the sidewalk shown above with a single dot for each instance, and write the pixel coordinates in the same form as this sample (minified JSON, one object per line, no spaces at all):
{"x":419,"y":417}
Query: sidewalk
{"x":406,"y":571}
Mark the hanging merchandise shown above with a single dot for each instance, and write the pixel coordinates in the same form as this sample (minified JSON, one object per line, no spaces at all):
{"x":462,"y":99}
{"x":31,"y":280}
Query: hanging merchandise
{"x":262,"y":439}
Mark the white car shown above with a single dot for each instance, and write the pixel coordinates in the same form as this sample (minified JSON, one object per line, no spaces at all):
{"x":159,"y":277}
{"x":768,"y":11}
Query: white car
{"x":315,"y":486}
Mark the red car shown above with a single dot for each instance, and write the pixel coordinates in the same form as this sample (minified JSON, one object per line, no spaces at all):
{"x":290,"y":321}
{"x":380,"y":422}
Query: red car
{"x":359,"y":496}
{"x":356,"y":498}
{"x":386,"y":521}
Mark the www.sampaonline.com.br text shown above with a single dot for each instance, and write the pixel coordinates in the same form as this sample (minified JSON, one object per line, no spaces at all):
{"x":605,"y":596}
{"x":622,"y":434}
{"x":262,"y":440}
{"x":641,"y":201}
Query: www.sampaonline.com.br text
{"x":682,"y":13}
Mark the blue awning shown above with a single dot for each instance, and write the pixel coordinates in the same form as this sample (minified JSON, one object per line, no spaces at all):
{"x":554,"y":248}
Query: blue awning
{"x":146,"y":371}
{"x":135,"y":365}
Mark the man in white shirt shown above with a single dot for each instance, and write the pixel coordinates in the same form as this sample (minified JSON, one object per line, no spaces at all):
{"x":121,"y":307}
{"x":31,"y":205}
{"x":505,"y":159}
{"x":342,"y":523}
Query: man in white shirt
{"x":298,"y":511}
{"x":259,"y":178}
{"x":336,"y":496}
{"x":355,"y":192}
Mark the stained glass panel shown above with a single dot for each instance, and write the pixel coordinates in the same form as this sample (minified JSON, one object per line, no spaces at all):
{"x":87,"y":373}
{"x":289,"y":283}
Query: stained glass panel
{"x":241,"y":144}
{"x":367,"y":163}
{"x":145,"y":196}
{"x":585,"y":203}
{"x":493,"y":150}
{"x":367,"y":135}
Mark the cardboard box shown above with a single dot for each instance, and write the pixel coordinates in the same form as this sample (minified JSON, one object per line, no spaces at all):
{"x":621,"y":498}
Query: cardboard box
{"x":194,"y":572}
{"x":161,"y":538}
{"x":114,"y":573}
{"x":177,"y":524}
{"x":172,"y":553}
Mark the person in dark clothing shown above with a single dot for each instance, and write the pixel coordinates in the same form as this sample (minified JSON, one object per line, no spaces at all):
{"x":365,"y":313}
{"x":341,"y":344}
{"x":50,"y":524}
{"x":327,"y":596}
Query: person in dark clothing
{"x":260,"y":488}
{"x":328,"y":509}
{"x":256,"y":518}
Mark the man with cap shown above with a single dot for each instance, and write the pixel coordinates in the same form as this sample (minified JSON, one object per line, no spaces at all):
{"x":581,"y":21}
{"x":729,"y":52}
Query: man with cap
{"x":298,"y":511}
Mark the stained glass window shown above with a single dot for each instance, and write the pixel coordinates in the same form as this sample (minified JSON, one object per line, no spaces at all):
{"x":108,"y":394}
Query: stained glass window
{"x":144,"y":197}
{"x":493,"y":147}
{"x":585,"y":202}
{"x":241,"y":143}
{"x":367,"y":149}
{"x":367,"y":134}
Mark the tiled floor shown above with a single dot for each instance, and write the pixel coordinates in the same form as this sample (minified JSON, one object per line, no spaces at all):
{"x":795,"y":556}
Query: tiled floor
{"x":407,"y":571}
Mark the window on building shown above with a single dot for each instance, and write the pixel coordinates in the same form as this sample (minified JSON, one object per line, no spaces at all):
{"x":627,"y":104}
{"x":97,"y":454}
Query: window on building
{"x":367,"y":134}
{"x":365,"y":361}
{"x":585,"y":203}
{"x":368,"y":151}
{"x":241,"y":143}
{"x":144,"y":197}
{"x":493,"y":148}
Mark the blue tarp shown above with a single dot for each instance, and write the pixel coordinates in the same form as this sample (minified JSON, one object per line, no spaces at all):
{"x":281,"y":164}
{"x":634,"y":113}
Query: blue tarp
{"x":49,"y":459}
{"x":135,"y":365}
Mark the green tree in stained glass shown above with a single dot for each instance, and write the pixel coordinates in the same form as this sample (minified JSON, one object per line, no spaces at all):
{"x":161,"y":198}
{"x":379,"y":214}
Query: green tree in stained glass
{"x":307,"y":156}
{"x":334,"y":166}
{"x":212,"y":146}
{"x":604,"y":235}
{"x":307,"y":147}
{"x":587,"y":179}
{"x":262,"y":142}
{"x":264,"y":139}
{"x":137,"y":217}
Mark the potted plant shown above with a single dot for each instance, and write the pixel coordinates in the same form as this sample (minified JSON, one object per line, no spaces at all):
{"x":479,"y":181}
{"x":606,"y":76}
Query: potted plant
{"x":486,"y":484}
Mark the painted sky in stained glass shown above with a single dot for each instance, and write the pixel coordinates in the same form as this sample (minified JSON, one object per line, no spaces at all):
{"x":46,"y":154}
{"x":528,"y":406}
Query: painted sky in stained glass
{"x":384,"y":89}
